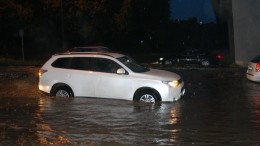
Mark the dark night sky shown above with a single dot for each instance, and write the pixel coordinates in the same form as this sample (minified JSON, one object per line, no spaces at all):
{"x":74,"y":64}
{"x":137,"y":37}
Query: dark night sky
{"x":184,"y":9}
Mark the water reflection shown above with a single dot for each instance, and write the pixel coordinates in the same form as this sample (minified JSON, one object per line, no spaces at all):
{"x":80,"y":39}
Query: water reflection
{"x":253,"y":94}
{"x":92,"y":121}
{"x":222,"y":112}
{"x":97,"y":121}
{"x":17,"y":122}
{"x":46,"y":134}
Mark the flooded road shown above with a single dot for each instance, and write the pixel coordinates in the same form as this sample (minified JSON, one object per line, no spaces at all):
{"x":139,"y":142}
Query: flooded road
{"x":221,"y":107}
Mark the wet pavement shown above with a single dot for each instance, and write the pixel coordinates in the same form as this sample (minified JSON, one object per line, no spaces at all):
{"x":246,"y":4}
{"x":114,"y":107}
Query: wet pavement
{"x":221,"y":107}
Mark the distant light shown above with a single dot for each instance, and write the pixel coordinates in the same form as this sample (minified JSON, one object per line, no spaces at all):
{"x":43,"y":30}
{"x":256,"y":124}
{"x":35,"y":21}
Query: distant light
{"x":219,"y":56}
{"x":201,"y":22}
{"x":142,"y":42}
{"x":257,"y":67}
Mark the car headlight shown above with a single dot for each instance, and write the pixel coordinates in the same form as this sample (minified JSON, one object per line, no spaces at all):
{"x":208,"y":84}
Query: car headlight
{"x":172,"y":83}
{"x":161,"y":59}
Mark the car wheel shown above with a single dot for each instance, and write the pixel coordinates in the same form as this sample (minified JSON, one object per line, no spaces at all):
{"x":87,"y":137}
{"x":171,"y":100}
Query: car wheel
{"x":168,"y":62}
{"x":205,"y":63}
{"x":65,"y":92}
{"x":147,"y":97}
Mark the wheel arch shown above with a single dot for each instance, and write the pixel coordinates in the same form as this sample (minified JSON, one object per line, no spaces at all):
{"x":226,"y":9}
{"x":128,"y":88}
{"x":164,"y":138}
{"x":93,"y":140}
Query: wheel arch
{"x":146,"y":89}
{"x":59,"y":85}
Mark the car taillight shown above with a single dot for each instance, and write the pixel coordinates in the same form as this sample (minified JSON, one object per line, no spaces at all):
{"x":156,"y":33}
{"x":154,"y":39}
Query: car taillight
{"x":42,"y":71}
{"x":219,"y":56}
{"x":257,"y":67}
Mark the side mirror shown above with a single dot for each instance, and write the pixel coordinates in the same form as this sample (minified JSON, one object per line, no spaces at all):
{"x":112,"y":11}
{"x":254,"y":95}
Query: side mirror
{"x":121,"y":71}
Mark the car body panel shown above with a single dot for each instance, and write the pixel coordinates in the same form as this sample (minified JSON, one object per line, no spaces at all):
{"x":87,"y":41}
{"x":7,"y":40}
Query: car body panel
{"x":253,"y":73}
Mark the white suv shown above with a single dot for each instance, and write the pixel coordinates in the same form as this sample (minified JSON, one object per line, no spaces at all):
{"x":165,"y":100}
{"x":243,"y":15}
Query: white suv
{"x":107,"y":75}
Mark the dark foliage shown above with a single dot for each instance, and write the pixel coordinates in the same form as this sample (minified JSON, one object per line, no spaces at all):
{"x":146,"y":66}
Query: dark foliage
{"x":55,"y":25}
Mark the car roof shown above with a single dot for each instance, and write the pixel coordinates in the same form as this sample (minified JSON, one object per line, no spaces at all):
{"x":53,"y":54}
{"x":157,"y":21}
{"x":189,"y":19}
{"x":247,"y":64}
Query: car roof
{"x":90,"y":49}
{"x":111,"y":54}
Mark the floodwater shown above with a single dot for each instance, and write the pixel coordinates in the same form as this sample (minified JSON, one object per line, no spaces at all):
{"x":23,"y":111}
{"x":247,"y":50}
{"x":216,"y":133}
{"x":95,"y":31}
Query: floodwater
{"x":221,"y":107}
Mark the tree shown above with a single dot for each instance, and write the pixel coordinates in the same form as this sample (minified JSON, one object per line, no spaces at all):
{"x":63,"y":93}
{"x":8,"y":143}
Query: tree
{"x":14,"y":16}
{"x":117,"y":23}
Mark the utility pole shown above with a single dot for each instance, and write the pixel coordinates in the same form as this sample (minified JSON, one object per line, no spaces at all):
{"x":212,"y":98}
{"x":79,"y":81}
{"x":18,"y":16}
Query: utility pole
{"x":62,"y":25}
{"x":21,"y":34}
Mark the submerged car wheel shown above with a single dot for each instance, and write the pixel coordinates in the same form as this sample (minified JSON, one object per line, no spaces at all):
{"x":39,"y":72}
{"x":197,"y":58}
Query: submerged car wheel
{"x":205,"y":63}
{"x":147,"y":97}
{"x":65,"y":92}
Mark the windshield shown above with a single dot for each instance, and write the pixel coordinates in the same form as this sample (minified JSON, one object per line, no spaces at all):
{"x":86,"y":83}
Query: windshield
{"x":256,"y":59}
{"x":131,"y":64}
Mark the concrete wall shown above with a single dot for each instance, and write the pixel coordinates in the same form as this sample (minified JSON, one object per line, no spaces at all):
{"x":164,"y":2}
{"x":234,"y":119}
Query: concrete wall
{"x":246,"y":22}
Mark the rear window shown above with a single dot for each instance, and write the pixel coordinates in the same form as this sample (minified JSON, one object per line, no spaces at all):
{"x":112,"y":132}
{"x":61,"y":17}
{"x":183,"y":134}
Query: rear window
{"x":256,"y":59}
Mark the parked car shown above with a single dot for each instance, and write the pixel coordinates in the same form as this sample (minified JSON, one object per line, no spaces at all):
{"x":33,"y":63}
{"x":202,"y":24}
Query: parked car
{"x":107,"y":75}
{"x":90,"y":49}
{"x":192,"y":56}
{"x":253,"y":69}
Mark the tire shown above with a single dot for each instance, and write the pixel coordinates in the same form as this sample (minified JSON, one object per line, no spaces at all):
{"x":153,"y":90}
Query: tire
{"x":63,"y":91}
{"x":146,"y":96}
{"x":205,"y":63}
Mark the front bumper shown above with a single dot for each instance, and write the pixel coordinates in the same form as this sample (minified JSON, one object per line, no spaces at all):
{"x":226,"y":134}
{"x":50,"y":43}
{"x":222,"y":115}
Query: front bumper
{"x":252,"y":77}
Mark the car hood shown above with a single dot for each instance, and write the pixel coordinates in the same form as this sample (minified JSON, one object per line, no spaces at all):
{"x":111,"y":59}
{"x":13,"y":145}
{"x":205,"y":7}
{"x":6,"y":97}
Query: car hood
{"x":157,"y":74}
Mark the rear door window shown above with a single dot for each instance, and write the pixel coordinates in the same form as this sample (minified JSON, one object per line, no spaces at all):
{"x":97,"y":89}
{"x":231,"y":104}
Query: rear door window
{"x":81,"y":63}
{"x":104,"y":65}
{"x":62,"y":63}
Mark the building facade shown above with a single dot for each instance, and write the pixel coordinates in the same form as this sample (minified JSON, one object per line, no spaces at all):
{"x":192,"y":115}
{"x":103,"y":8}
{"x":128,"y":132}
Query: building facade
{"x":243,"y":19}
{"x":246,"y":22}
